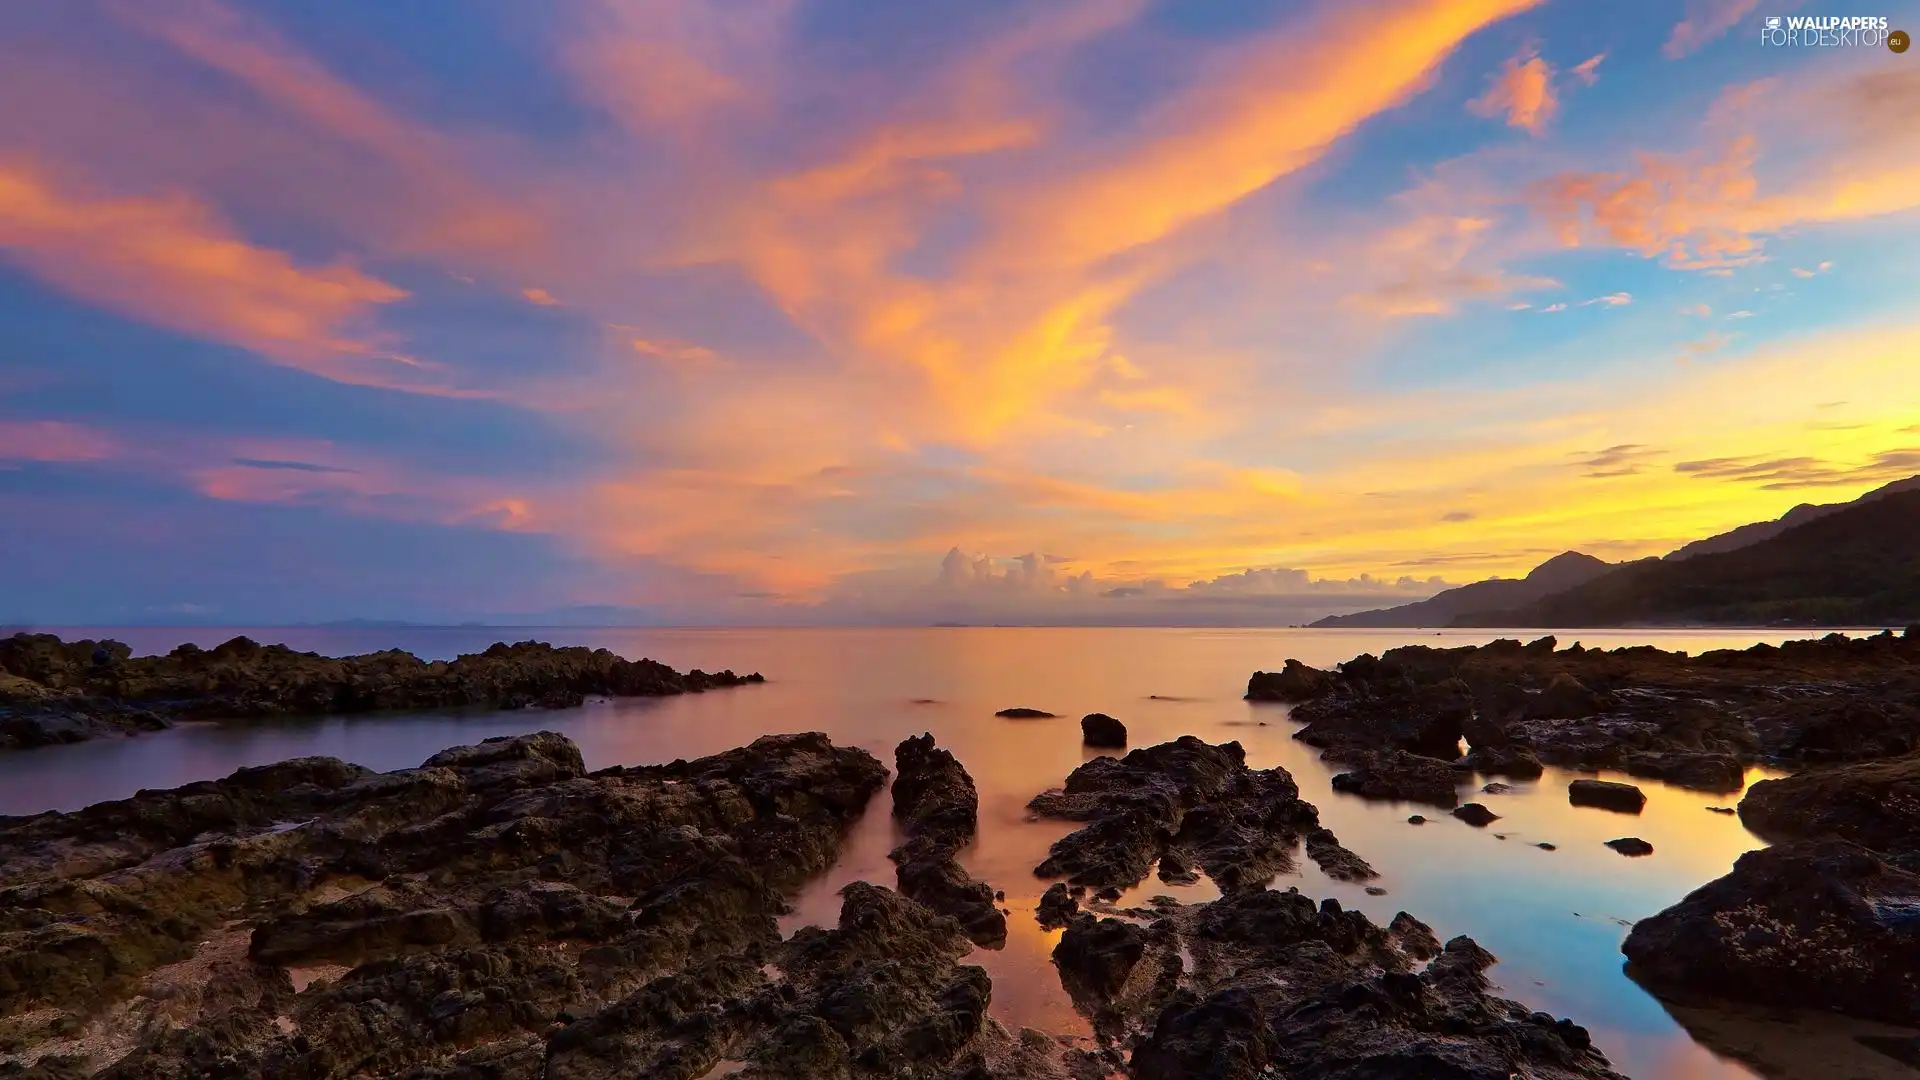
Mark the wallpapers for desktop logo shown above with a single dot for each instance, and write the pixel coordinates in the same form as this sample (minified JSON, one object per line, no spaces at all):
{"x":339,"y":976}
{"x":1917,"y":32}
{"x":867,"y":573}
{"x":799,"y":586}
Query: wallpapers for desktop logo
{"x":1832,"y":31}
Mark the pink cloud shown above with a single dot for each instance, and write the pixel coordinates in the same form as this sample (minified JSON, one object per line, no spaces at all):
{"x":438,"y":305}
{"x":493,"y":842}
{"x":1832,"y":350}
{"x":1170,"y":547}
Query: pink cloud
{"x":53,"y":440}
{"x":1522,"y":90}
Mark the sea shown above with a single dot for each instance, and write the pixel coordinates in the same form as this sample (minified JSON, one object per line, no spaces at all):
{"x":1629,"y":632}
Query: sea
{"x":1555,"y":919}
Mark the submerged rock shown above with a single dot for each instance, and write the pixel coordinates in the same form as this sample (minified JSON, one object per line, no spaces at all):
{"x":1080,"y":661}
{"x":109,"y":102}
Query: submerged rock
{"x":1022,"y":713}
{"x":58,"y":691}
{"x":1475,"y":815}
{"x":1103,"y":731}
{"x":1813,"y":924}
{"x":1607,"y":795}
{"x":1631,"y":846}
{"x":1335,"y":860}
{"x":937,"y":807}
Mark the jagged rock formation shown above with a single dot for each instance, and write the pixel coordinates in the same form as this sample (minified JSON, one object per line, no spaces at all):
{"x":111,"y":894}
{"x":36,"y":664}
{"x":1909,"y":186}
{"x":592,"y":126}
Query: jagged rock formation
{"x":54,"y":691}
{"x":936,"y":804}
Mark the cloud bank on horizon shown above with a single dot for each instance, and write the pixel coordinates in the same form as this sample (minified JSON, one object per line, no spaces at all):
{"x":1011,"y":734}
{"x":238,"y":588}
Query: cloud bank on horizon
{"x":804,"y":310}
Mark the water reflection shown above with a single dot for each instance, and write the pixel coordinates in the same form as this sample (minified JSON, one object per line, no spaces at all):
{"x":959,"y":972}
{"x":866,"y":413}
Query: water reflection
{"x":1555,"y":918}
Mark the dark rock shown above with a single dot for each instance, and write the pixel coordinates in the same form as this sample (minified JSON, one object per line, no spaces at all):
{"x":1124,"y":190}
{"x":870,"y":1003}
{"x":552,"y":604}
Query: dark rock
{"x":1475,"y":815}
{"x":1565,"y":698}
{"x":1874,"y":804}
{"x":1544,"y":846}
{"x":1186,"y":798}
{"x":1101,"y":730}
{"x":57,"y":691}
{"x":1336,"y":861}
{"x":1424,"y":720}
{"x":1721,"y":810}
{"x":1508,"y":761}
{"x":1020,"y":713}
{"x":938,"y":808}
{"x":1057,"y":907}
{"x":1496,"y":789}
{"x":1095,"y":956}
{"x":1607,"y":795}
{"x":524,"y":919}
{"x":1296,"y":682}
{"x":1718,"y":773}
{"x":1375,"y":890}
{"x":1398,"y":776}
{"x":1108,"y":895}
{"x":1631,"y":846}
{"x":1417,"y":819}
{"x":1812,"y":924}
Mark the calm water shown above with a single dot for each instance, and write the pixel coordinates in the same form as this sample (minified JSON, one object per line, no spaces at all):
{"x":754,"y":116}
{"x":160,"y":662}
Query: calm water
{"x":1555,"y":919}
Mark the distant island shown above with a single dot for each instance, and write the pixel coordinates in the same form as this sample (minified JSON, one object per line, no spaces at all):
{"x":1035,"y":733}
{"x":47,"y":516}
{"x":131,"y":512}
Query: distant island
{"x":1855,"y":563}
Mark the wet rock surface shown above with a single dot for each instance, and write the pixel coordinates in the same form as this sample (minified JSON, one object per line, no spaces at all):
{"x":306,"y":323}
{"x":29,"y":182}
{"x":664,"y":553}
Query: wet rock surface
{"x":1873,"y":804}
{"x":1193,"y":801}
{"x":1696,"y":721}
{"x":1335,"y":860}
{"x":1607,"y":795}
{"x":1825,"y":924}
{"x":1398,"y":776}
{"x":54,"y":691}
{"x":1268,"y":983}
{"x":937,"y":807}
{"x":1102,"y":731}
{"x":498,"y":912}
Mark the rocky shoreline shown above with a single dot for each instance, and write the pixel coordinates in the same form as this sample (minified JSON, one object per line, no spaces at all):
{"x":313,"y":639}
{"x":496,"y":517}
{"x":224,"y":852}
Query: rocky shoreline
{"x":1828,"y":918}
{"x":54,"y":691}
{"x":501,"y":913}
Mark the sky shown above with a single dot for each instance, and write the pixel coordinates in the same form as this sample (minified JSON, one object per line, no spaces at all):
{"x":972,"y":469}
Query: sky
{"x":822,"y":311}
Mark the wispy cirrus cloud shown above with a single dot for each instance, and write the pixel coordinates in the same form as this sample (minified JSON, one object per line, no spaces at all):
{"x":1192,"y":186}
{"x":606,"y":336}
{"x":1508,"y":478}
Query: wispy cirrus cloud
{"x":1522,"y":91}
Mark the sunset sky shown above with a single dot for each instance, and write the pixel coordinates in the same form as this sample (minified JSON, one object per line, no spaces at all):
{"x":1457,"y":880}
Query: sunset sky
{"x":820,"y":310}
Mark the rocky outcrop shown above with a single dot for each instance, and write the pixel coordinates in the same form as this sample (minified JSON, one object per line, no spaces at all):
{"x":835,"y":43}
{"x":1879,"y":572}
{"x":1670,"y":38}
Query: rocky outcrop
{"x":1874,"y":804}
{"x":1056,"y":908}
{"x":1511,"y":762}
{"x":1816,"y":924}
{"x":1269,"y":983}
{"x":1295,"y":682}
{"x":1335,"y":860}
{"x":1102,"y":732}
{"x":59,"y":691}
{"x":1187,"y":799}
{"x":1398,"y":776}
{"x":937,"y":807}
{"x":1475,"y":815}
{"x":1023,"y":713}
{"x":1607,"y":795}
{"x":1697,"y":721}
{"x":1631,"y":846}
{"x":498,"y":912}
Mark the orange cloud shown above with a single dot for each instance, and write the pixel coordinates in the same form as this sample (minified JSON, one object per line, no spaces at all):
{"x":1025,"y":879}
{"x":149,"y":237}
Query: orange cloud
{"x":541,"y":297}
{"x":1274,"y":109}
{"x":172,"y":262}
{"x":53,"y":440}
{"x":1588,"y":70}
{"x":1523,"y":91}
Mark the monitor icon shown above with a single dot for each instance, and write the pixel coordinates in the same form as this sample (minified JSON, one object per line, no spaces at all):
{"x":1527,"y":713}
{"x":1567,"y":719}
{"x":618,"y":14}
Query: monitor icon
{"x":1773,"y":22}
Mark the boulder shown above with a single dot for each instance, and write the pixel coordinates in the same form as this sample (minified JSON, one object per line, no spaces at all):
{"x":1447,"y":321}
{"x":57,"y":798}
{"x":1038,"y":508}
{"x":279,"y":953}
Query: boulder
{"x":1717,"y":773}
{"x":1296,"y":682}
{"x":1057,"y":907}
{"x":1607,"y":795}
{"x":1023,"y":713}
{"x":1511,"y":762}
{"x":1475,"y":815}
{"x":1102,"y":731}
{"x":1565,"y":698}
{"x":1875,"y":804}
{"x":1820,"y":924}
{"x":1631,"y":846}
{"x":1398,"y":776}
